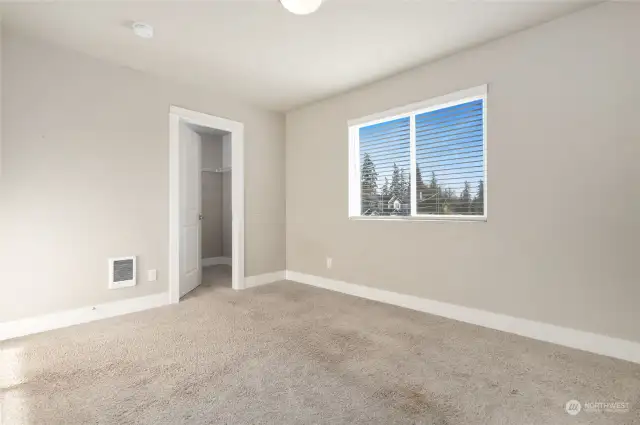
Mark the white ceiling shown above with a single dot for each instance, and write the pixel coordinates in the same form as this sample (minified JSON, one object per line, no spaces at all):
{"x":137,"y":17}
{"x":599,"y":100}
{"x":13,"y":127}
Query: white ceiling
{"x":257,"y":51}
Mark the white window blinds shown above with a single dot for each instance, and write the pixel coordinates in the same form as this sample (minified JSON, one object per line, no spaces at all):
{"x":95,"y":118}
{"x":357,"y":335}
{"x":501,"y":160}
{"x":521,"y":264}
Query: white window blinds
{"x":450,"y":160}
{"x":428,"y":162}
{"x":385,"y":175}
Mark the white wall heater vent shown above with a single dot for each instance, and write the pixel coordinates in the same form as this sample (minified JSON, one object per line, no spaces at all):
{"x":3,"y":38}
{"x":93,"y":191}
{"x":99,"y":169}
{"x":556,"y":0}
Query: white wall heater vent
{"x":122,"y":272}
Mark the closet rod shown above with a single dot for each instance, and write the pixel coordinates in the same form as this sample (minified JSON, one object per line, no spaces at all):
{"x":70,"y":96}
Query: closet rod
{"x":216,"y":170}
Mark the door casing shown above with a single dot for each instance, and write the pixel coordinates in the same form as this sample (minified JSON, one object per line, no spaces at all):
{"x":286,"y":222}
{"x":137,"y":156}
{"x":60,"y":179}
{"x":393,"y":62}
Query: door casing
{"x":177,"y":116}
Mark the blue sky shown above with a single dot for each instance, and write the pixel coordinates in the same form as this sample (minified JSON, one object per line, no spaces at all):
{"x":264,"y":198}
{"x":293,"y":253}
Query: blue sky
{"x":449,"y":142}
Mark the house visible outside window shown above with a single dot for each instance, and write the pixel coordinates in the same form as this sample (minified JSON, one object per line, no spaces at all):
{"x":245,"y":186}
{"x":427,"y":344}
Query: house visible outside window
{"x":422,"y":161}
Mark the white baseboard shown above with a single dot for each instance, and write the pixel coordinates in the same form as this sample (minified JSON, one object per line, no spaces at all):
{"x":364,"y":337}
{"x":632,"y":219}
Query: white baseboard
{"x":595,"y":343}
{"x":263,"y":279}
{"x":216,"y":261}
{"x":32,"y":325}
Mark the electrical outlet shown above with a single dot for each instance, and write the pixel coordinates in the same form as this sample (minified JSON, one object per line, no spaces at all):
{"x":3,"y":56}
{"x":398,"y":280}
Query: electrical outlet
{"x":152,"y":275}
{"x":329,"y":262}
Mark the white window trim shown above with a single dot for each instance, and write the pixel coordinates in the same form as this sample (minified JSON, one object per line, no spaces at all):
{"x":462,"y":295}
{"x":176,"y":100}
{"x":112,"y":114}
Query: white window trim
{"x":411,"y":110}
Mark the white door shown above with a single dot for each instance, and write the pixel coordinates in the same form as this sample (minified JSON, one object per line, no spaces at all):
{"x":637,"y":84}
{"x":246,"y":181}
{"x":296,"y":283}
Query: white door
{"x":190,"y":272}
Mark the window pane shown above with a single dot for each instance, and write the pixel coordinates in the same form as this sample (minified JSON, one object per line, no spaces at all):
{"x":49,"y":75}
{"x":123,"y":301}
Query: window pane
{"x":385,"y":168}
{"x":450,"y":160}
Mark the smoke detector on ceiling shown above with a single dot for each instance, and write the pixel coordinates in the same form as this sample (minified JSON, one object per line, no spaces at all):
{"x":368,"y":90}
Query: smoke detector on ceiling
{"x":301,"y":7}
{"x":142,"y":30}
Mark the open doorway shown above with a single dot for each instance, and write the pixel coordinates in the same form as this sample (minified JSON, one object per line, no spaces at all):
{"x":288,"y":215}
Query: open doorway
{"x":206,"y":200}
{"x":215,"y":207}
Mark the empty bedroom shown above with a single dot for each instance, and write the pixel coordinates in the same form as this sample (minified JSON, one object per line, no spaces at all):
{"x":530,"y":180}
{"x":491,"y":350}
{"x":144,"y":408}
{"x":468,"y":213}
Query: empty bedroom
{"x":319,"y":212}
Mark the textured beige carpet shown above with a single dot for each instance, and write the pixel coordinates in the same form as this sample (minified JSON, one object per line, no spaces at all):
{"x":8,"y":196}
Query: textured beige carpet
{"x":291,"y":354}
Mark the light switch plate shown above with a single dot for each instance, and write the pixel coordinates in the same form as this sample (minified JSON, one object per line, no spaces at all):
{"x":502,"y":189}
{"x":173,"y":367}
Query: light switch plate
{"x":152,"y":275}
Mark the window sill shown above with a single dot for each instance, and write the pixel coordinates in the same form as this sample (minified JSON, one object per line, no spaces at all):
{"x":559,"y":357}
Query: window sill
{"x":457,"y":218}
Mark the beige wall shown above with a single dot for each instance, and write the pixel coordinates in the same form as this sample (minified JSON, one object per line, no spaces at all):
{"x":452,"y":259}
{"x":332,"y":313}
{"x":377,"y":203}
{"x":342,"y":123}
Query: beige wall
{"x":561,"y":242}
{"x":212,"y":196}
{"x":86,"y":177}
{"x":1,"y":161}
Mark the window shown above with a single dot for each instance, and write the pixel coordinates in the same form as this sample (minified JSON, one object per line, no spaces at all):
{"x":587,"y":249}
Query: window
{"x":425,"y":160}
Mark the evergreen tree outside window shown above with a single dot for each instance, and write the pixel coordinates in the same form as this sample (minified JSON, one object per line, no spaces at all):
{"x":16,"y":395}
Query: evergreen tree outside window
{"x":385,"y":162}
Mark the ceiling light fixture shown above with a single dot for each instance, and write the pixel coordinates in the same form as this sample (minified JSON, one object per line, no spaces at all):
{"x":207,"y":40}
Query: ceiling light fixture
{"x":142,"y":30}
{"x":301,"y":7}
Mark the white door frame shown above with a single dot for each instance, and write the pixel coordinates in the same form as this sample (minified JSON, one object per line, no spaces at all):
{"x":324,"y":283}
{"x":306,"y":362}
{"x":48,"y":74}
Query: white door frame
{"x":177,"y":115}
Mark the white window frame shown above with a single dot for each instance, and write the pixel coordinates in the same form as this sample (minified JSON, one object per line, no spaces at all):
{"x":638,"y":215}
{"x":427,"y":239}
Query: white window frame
{"x":411,"y":110}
